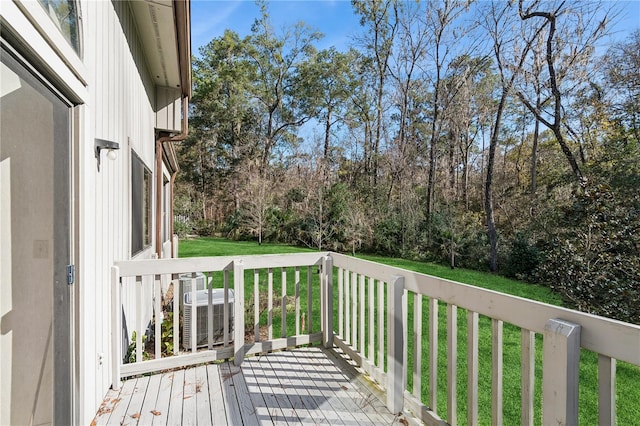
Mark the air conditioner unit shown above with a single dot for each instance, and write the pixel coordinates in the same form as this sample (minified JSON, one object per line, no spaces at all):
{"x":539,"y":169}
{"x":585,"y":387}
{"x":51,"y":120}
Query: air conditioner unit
{"x":186,"y":280}
{"x":202,"y":316}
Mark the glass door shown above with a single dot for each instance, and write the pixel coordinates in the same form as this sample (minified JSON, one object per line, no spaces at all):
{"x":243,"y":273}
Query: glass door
{"x":35,"y":311}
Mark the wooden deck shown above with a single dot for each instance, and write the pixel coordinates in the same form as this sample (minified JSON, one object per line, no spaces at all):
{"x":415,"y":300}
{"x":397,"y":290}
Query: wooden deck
{"x":302,"y":386}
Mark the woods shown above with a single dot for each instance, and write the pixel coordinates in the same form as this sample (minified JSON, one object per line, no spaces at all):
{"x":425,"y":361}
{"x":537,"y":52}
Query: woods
{"x":495,"y":136}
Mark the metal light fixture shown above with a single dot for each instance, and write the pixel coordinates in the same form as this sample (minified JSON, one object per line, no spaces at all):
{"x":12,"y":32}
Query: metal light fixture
{"x":111,"y":148}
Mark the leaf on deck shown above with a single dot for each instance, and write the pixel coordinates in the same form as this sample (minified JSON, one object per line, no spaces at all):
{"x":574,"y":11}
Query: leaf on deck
{"x":135,"y":416}
{"x":156,"y":412}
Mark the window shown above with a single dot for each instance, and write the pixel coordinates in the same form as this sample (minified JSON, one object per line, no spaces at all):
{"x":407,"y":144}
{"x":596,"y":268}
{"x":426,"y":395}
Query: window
{"x":140,"y":205}
{"x":64,"y":14}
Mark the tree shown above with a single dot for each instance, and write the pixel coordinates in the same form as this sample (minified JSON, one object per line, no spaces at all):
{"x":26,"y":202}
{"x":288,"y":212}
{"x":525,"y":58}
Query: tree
{"x":623,"y":74}
{"x":497,"y":23}
{"x":565,"y":60}
{"x":276,"y":87}
{"x":376,"y":15}
{"x":328,"y":82}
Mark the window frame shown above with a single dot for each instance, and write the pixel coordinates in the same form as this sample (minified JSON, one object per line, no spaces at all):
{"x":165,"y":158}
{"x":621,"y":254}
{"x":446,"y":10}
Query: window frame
{"x":141,"y":205}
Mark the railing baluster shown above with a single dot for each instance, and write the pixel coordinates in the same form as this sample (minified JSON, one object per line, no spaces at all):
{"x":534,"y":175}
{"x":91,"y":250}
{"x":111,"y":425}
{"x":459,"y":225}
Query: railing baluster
{"x":297,"y":296}
{"x":341,"y":303}
{"x":405,"y":336}
{"x":527,"y":343}
{"x":176,"y":316}
{"x":347,"y":308}
{"x":606,"y":390}
{"x":496,"y":371}
{"x":309,"y":299}
{"x":370,"y":350}
{"x":381,"y":334}
{"x":472,"y":367}
{"x":433,"y":354}
{"x":362,"y":311}
{"x":194,"y":313}
{"x":270,"y":303}
{"x":238,"y":312}
{"x":139,"y":309}
{"x":452,"y":367}
{"x":226,"y":313}
{"x":209,"y":287}
{"x":157,"y":296}
{"x":256,"y":305}
{"x":283,"y":304}
{"x":354,"y":311}
{"x":417,"y":345}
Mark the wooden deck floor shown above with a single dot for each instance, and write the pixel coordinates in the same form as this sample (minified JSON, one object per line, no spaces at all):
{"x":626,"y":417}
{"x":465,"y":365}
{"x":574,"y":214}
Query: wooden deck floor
{"x":302,"y":386}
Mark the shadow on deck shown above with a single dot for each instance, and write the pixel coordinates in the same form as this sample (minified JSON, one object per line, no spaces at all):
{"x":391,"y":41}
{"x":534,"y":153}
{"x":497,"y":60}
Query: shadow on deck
{"x":302,"y":386}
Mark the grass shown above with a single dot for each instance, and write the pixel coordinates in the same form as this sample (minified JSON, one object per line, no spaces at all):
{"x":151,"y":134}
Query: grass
{"x":628,"y":376}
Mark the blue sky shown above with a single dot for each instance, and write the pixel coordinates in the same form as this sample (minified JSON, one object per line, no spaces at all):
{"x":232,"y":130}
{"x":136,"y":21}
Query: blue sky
{"x":334,"y":18}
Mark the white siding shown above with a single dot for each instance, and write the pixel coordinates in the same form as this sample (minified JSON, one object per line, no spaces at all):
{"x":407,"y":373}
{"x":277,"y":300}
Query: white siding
{"x":120,"y":109}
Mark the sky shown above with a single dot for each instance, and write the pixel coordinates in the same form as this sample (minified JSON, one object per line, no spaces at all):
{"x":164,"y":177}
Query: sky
{"x":334,"y":18}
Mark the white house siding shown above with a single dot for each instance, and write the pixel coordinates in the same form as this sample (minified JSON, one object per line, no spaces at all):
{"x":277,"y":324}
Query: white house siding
{"x":120,"y":109}
{"x":116,"y":98}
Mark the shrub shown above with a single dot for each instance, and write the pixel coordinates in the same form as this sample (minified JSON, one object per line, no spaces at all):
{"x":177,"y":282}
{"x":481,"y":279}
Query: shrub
{"x":523,"y":258}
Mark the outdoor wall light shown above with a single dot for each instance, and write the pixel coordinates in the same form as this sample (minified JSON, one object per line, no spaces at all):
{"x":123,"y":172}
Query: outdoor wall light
{"x":111,"y":147}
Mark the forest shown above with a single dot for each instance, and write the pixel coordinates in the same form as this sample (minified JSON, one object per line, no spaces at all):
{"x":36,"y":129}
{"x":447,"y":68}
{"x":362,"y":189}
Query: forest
{"x":498,"y":136}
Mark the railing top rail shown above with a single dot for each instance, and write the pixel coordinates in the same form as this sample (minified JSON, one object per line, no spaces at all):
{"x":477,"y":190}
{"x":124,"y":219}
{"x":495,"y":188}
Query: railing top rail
{"x":131,"y":268}
{"x":606,"y":336}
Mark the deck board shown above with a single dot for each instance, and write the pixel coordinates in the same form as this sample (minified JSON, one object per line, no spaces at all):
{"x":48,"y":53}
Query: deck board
{"x":218,"y":413}
{"x":162,"y":402}
{"x":305,"y":386}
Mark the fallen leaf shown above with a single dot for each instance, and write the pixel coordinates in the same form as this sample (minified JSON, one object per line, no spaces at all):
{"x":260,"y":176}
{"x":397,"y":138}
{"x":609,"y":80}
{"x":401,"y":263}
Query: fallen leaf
{"x":187,"y":397}
{"x":345,"y":388}
{"x":404,"y":421}
{"x":93,"y":422}
{"x":156,"y":412}
{"x":135,"y":416}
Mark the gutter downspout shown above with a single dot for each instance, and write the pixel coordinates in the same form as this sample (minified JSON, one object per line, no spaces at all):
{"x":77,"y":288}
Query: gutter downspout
{"x":171,"y":224}
{"x":159,"y":143}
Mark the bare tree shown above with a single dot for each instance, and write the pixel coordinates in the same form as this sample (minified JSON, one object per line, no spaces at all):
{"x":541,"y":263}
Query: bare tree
{"x":571,"y":33}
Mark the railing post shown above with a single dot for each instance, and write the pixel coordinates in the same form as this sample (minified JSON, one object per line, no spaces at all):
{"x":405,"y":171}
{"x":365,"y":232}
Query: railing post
{"x":327,"y":324}
{"x":395,"y":336}
{"x":560,"y":369}
{"x":116,"y":328}
{"x":238,"y":312}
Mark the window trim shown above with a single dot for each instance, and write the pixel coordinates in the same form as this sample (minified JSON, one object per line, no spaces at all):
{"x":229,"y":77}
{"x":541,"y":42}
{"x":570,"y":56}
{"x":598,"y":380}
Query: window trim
{"x":46,"y":29}
{"x":144,"y":223}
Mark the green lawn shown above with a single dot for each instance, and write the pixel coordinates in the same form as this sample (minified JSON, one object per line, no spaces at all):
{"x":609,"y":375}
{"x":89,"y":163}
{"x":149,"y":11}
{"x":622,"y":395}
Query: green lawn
{"x":628,"y":377}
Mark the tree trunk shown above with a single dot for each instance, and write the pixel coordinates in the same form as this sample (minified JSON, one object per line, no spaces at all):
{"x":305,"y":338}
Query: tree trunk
{"x":534,"y":158}
{"x":488,"y":189}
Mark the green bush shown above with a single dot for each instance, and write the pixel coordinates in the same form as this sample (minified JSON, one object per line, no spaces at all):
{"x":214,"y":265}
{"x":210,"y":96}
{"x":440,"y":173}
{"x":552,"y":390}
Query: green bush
{"x":593,"y":261}
{"x":523,"y":258}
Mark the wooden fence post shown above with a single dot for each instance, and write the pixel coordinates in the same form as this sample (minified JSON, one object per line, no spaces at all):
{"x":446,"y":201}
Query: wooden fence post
{"x":327,"y":324}
{"x":560,"y":370}
{"x":238,"y":312}
{"x":116,"y":328}
{"x":395,"y":337}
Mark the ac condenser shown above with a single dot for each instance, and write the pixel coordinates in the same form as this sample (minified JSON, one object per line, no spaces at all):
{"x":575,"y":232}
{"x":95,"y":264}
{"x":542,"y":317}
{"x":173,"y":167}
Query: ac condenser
{"x":202,"y":316}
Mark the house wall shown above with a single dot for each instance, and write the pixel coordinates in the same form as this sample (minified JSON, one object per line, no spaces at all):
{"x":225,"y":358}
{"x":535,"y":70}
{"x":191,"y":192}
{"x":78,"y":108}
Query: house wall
{"x":115,"y":100}
{"x":121,"y":109}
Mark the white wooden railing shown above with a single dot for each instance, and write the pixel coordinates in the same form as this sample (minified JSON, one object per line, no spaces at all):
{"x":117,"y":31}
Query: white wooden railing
{"x":364,"y":312}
